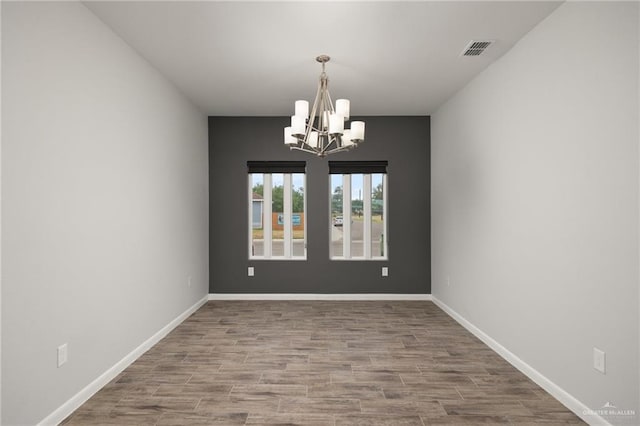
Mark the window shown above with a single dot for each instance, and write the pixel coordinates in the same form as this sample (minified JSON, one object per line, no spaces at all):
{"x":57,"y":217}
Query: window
{"x":277,"y":206}
{"x":358,"y":203}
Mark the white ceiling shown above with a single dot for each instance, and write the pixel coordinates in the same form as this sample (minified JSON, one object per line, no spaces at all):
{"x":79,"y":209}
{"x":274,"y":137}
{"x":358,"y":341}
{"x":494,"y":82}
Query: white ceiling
{"x":257,"y":58}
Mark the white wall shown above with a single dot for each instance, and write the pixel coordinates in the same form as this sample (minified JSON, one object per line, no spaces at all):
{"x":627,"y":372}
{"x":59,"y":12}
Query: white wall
{"x":105,"y":203}
{"x":535,"y":201}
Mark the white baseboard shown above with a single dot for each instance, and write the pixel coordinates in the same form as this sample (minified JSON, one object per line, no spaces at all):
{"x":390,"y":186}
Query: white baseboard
{"x":317,"y":296}
{"x":81,"y":397}
{"x":556,"y":391}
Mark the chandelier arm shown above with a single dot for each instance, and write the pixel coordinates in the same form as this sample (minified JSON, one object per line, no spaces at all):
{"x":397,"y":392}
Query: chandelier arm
{"x":310,"y":151}
{"x":326,"y":146}
{"x":323,"y":148}
{"x":338,"y":149}
{"x":321,"y":106}
{"x":297,"y":148}
{"x":327,"y":108}
{"x":330,"y":102}
{"x":332,"y":141}
{"x":312,"y":116}
{"x":307,"y":150}
{"x":331,"y":110}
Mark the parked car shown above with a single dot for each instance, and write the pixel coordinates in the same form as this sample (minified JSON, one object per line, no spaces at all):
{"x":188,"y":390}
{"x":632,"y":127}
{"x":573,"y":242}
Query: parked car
{"x":337,"y":221}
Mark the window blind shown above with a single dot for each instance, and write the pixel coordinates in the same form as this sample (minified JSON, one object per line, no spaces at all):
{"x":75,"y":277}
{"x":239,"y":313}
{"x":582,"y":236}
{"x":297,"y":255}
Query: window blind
{"x":357,"y":167}
{"x":276,"y":166}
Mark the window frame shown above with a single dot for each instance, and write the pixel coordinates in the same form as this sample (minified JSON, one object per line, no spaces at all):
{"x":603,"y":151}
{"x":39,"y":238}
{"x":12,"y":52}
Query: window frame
{"x":367,"y":216}
{"x":267,"y":214}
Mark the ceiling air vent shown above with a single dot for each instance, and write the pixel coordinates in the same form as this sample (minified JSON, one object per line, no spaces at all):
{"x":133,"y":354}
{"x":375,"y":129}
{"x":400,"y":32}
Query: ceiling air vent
{"x":475,"y":47}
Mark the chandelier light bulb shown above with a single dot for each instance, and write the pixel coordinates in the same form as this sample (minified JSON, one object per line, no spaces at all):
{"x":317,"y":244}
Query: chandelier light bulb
{"x":288,"y":137}
{"x":342,"y":108}
{"x":302,"y":109}
{"x":297,"y":125}
{"x":336,"y":124}
{"x":357,"y":131}
{"x":346,"y":138}
{"x":313,"y":139}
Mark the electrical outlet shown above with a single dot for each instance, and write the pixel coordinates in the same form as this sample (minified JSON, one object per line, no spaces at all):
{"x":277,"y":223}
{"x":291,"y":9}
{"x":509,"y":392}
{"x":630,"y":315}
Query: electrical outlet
{"x":62,"y":355}
{"x":250,"y":271}
{"x":599,"y":360}
{"x":385,"y":271}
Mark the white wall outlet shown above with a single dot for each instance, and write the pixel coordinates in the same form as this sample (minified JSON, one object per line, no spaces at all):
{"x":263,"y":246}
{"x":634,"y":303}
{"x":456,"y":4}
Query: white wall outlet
{"x":250,"y":271}
{"x":189,"y":281}
{"x":62,"y":355}
{"x":599,"y":360}
{"x":385,"y":271}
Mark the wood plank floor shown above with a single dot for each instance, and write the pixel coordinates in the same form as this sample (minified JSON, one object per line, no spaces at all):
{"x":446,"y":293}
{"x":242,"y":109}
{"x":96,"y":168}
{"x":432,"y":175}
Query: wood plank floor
{"x":320,"y":363}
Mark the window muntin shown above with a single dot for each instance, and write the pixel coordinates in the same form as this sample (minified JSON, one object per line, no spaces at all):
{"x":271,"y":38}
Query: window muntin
{"x":281,"y":231}
{"x":357,"y":228}
{"x":277,"y":215}
{"x":256,"y":206}
{"x":378,"y":210}
{"x":337,"y":218}
{"x":358,"y":216}
{"x":298,"y":205}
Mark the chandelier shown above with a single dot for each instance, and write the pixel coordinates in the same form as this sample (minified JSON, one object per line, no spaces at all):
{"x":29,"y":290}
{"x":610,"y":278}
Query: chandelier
{"x":322,"y":132}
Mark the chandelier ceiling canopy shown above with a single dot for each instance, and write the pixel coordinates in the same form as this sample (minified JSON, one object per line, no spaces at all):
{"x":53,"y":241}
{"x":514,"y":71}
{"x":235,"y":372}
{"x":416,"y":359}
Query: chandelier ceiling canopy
{"x":323,"y":131}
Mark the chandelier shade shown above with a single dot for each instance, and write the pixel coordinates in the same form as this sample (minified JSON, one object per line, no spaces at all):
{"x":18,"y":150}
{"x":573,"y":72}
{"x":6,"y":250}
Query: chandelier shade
{"x":322,"y":131}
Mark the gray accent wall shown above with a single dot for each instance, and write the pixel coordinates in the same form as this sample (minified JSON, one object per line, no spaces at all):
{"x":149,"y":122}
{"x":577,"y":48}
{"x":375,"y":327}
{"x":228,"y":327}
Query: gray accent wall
{"x":402,"y":141}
